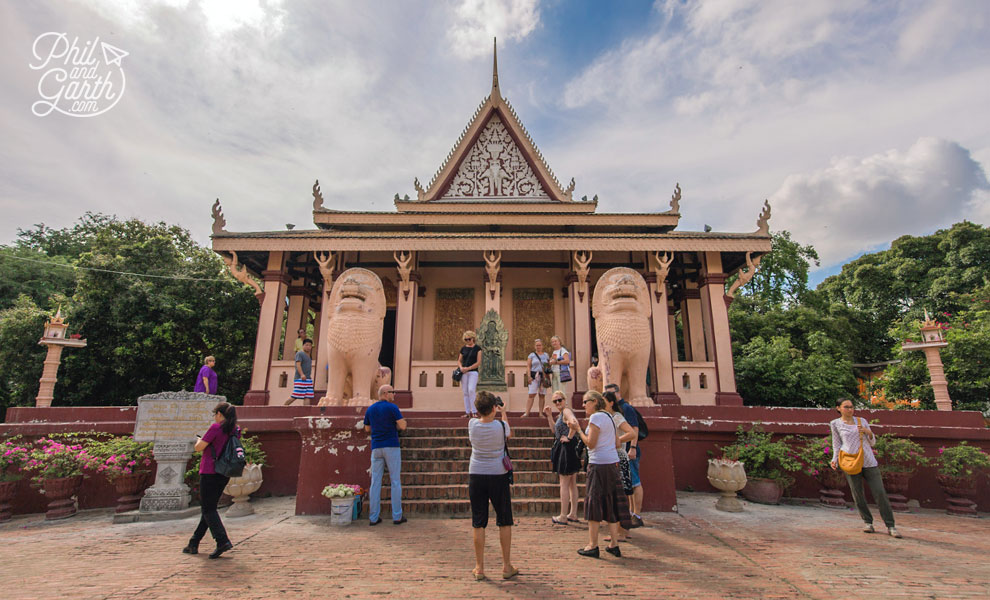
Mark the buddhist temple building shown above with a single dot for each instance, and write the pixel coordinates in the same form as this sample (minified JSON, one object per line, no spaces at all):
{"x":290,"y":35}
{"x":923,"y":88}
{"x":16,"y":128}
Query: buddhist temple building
{"x":494,"y":228}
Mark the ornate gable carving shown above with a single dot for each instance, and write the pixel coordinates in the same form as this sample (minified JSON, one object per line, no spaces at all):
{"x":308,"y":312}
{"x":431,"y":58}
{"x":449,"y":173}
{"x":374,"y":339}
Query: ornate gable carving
{"x":495,"y":168}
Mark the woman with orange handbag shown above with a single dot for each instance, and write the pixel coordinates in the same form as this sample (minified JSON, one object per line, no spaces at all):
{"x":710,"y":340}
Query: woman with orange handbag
{"x":852,"y":451}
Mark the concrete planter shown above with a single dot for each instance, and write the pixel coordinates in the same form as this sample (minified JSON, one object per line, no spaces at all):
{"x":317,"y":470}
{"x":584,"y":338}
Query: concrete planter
{"x":129,"y":488}
{"x":7,"y":489}
{"x":896,"y":485}
{"x":763,"y":491}
{"x":960,"y":494}
{"x":728,"y":477}
{"x":241,"y":488}
{"x":60,"y":493}
{"x":832,"y":492}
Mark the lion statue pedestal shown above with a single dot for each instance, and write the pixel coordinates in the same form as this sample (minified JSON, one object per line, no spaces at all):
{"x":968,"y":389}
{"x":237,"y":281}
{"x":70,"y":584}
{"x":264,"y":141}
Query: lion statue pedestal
{"x":354,"y":339}
{"x":621,"y":307}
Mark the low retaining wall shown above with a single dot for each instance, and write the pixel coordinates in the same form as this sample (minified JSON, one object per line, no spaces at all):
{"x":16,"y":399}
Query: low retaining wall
{"x":310,"y":446}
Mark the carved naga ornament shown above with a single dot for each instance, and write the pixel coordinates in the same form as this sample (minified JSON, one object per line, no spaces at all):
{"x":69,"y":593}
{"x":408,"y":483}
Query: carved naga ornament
{"x":404,"y":267}
{"x":661,"y":268}
{"x":327,"y":264}
{"x":240,"y":273}
{"x":764,"y":221}
{"x":582,"y":266}
{"x":218,"y":221}
{"x":745,"y":276}
{"x":492,"y":260}
{"x":317,"y":196}
{"x":675,"y":199}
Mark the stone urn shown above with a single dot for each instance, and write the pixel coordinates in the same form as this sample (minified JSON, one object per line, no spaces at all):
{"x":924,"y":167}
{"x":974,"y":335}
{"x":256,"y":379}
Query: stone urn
{"x":763,"y":491}
{"x":896,"y":486}
{"x":59,"y":493}
{"x":241,"y":488}
{"x":130,"y":489}
{"x":832,"y":493}
{"x":960,"y":494}
{"x":7,"y":489}
{"x":728,"y":477}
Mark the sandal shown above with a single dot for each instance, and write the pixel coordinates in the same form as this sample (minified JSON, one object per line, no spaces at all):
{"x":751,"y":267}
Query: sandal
{"x":510,"y":574}
{"x":570,"y":520}
{"x":556,"y":522}
{"x":478,"y":576}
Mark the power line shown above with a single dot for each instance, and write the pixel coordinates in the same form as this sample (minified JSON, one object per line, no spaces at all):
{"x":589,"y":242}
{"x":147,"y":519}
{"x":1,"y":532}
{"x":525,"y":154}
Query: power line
{"x":76,"y":267}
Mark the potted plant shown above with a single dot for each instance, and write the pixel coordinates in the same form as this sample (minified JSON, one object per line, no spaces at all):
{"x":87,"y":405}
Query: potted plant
{"x":768,"y":464}
{"x":13,"y":456}
{"x":815,"y":455}
{"x":126,"y":464}
{"x":58,"y":468}
{"x":241,"y":488}
{"x":959,"y":467}
{"x":898,"y":458}
{"x":728,"y":476}
{"x":342,"y":502}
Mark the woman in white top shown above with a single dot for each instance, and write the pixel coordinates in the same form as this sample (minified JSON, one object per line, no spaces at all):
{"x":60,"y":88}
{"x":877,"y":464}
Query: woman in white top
{"x":488,"y":481}
{"x":534,"y":364}
{"x":847,"y":431}
{"x":604,"y":500}
{"x":560,"y":357}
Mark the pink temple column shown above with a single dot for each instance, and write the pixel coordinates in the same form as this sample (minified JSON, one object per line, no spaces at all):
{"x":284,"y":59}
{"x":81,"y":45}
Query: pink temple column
{"x":49,"y":376}
{"x":405,"y":322}
{"x":719,"y":339}
{"x":661,"y":335}
{"x":932,"y":342}
{"x":579,"y":294}
{"x":694,"y":329}
{"x":269,"y":328}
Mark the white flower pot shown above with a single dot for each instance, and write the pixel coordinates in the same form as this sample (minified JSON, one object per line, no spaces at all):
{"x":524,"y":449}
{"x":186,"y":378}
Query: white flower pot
{"x":341,"y":511}
{"x":728,"y":477}
{"x":241,"y":488}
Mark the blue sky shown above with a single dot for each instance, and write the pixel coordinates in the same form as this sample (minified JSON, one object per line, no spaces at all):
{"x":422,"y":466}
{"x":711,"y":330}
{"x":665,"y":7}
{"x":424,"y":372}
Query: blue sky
{"x":860,"y":121}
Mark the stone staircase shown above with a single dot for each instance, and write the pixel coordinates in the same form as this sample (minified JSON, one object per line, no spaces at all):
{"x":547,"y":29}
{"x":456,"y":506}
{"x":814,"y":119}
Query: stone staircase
{"x":435,"y":470}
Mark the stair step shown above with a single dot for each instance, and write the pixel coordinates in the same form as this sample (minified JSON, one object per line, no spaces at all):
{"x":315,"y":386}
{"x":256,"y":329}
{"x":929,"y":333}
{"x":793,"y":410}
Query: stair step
{"x":462,"y":508}
{"x":461,"y":466}
{"x":464,"y":453}
{"x":451,"y":442}
{"x":462,"y":432}
{"x":440,"y":492}
{"x":461,"y":477}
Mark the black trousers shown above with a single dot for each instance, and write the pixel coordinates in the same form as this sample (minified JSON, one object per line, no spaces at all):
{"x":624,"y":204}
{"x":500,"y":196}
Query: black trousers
{"x":210,"y":489}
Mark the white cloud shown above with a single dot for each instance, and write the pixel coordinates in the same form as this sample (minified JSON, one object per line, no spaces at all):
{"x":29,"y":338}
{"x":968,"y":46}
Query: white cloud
{"x":857,"y":203}
{"x":476,"y":22}
{"x":941,"y":26}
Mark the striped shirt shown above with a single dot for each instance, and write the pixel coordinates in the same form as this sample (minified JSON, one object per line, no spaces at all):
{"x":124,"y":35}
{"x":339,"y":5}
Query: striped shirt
{"x":846,"y":437}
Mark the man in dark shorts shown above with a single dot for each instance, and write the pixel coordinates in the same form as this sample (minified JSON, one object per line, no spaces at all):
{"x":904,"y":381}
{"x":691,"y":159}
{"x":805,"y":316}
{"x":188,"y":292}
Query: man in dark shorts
{"x":636,"y":499}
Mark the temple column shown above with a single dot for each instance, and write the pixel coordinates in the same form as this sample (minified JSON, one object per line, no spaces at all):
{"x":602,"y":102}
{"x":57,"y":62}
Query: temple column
{"x":672,"y":328}
{"x":580,"y":298}
{"x":493,"y":281}
{"x":46,"y":388}
{"x":295,"y":321}
{"x":693,"y":325}
{"x":405,"y":313}
{"x":716,"y":313}
{"x":657,"y":283}
{"x":269,"y":327}
{"x":327,"y":263}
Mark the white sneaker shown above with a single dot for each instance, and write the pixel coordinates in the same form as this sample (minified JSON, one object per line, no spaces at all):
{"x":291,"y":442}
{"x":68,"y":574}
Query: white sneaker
{"x":894,"y":533}
{"x":868,"y":528}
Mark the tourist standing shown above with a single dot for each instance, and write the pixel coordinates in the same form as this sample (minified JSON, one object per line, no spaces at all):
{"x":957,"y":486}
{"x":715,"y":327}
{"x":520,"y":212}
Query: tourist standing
{"x":564,"y":456}
{"x":560,"y":362}
{"x":603,"y":498}
{"x":848,"y":433}
{"x":632,"y":451}
{"x":488,"y":481}
{"x":302,"y":382}
{"x":211,"y":483}
{"x":206,"y":380}
{"x":534,"y":364}
{"x":468,"y":361}
{"x":626,"y":433}
{"x":300,"y":338}
{"x":384,"y":421}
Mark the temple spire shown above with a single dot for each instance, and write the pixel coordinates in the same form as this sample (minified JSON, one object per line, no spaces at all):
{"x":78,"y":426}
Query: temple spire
{"x":495,"y":90}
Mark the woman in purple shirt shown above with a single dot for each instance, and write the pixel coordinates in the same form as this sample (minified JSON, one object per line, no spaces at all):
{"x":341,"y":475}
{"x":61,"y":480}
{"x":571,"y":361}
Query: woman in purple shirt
{"x":211,"y":483}
{"x":206,"y":380}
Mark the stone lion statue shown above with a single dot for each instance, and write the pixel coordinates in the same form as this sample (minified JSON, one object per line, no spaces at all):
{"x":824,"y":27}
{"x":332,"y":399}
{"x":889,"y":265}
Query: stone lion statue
{"x":621,"y":307}
{"x":354,"y":337}
{"x":382,"y":376}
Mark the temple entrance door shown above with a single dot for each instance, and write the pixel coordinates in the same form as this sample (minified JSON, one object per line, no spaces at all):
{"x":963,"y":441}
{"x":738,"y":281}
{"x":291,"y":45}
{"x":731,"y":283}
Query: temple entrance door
{"x":386,"y":357}
{"x":594,"y":338}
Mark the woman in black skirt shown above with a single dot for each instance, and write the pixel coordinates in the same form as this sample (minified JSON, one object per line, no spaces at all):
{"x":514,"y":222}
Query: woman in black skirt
{"x":603,"y":498}
{"x":565,"y":459}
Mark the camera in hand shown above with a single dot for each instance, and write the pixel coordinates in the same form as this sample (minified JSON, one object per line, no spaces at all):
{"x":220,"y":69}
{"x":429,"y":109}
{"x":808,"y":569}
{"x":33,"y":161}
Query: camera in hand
{"x":498,"y":401}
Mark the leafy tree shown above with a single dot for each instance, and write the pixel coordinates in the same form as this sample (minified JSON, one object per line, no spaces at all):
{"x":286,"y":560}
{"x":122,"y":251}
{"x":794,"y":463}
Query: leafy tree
{"x":21,"y":357}
{"x":782,"y":279}
{"x":25,"y":271}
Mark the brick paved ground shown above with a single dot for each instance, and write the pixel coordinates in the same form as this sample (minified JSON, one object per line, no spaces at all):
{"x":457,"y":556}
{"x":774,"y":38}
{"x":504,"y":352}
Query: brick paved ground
{"x":765,"y":552}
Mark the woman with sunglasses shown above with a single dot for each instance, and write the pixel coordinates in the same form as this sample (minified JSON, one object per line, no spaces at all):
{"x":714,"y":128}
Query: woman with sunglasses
{"x":469,"y":360}
{"x":565,"y":459}
{"x":603,"y":497}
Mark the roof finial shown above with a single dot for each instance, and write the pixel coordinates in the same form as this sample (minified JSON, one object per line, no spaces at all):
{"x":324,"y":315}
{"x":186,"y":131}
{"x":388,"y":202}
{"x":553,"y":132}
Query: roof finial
{"x":495,"y":90}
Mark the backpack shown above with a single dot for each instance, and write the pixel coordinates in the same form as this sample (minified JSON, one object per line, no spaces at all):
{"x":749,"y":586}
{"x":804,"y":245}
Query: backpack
{"x":232,"y":459}
{"x":644,"y":431}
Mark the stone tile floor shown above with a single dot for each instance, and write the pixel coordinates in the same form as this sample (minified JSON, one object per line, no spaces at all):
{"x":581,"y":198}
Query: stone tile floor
{"x":765,"y":552}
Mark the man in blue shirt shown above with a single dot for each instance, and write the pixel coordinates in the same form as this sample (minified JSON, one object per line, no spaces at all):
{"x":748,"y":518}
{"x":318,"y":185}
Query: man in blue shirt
{"x":636,"y":500}
{"x":384,"y":421}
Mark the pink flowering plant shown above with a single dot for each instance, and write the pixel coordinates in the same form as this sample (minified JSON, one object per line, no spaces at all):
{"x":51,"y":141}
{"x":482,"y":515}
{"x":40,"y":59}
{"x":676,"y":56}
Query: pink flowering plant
{"x":815,"y":455}
{"x":14,"y":454}
{"x":962,"y":461}
{"x":53,"y":459}
{"x":764,"y":458}
{"x":898,"y":454}
{"x":118,"y":456}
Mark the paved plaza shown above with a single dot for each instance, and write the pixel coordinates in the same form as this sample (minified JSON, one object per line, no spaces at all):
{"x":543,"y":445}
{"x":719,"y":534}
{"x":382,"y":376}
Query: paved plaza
{"x":765,"y":552}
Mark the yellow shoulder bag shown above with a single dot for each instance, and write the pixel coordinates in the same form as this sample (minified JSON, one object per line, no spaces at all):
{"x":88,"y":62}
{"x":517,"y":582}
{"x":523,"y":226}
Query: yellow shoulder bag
{"x":852,"y":463}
